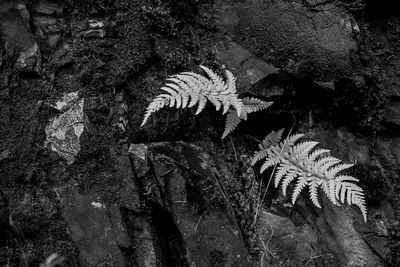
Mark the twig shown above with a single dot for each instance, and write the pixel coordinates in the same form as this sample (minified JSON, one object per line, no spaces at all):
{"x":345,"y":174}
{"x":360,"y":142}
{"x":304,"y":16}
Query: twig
{"x":234,"y":149}
{"x":197,"y":225}
{"x":312,"y":258}
{"x":255,"y":139}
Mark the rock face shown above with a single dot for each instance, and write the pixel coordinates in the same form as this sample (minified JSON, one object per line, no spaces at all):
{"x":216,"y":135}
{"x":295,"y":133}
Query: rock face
{"x":335,"y":235}
{"x":345,"y":145}
{"x":350,"y":232}
{"x":339,"y":224}
{"x":171,"y":203}
{"x":187,"y":221}
{"x":91,"y":229}
{"x":324,"y":238}
{"x":301,"y":39}
{"x":103,"y":231}
{"x":392,"y":112}
{"x":184,"y":186}
{"x":20,"y":42}
{"x":296,"y":245}
{"x":247,"y":69}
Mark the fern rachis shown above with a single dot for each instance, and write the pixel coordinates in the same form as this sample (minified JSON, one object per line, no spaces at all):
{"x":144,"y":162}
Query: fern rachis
{"x":306,"y":166}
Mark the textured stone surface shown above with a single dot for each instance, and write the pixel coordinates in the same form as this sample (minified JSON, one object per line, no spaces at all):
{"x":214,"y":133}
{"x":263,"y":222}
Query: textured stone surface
{"x":189,"y":190}
{"x":247,"y":69}
{"x":338,"y":235}
{"x":344,"y":144}
{"x":392,"y":112}
{"x":331,"y":236}
{"x":283,"y":240}
{"x":376,"y":232}
{"x":176,"y":213}
{"x":49,"y":8}
{"x":91,"y":229}
{"x":18,"y":38}
{"x":352,"y":246}
{"x":301,"y":41}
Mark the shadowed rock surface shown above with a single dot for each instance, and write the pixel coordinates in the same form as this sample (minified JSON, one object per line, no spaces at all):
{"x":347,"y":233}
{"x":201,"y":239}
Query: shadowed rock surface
{"x":181,"y":196}
{"x":301,"y":39}
{"x":186,"y":185}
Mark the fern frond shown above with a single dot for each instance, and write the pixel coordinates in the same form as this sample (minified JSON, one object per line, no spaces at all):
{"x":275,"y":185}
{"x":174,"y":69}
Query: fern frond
{"x":250,"y":105}
{"x":332,"y":172}
{"x":269,"y":162}
{"x":188,"y":89}
{"x":281,"y":171}
{"x":354,"y":195}
{"x":232,"y":121}
{"x":217,"y":81}
{"x":300,"y":185}
{"x":306,"y":166}
{"x":328,"y":186}
{"x":302,"y":149}
{"x":157,"y":104}
{"x":291,"y":140}
{"x":325,"y":161}
{"x":230,"y":81}
{"x":184,"y":87}
{"x":287,"y":179}
{"x":272,"y":139}
{"x":313,"y":190}
{"x":317,"y":153}
{"x":259,"y":155}
{"x":202,"y":104}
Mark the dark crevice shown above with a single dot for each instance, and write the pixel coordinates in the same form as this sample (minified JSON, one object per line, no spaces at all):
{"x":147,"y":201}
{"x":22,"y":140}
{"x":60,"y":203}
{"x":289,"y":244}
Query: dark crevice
{"x":316,"y":4}
{"x":167,"y":240}
{"x":153,"y":230}
{"x":377,"y":9}
{"x":134,"y":224}
{"x":168,"y":236}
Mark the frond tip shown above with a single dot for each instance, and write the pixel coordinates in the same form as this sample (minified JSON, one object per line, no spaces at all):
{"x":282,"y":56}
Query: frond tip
{"x":250,"y":105}
{"x":306,"y":166}
{"x":187,"y":89}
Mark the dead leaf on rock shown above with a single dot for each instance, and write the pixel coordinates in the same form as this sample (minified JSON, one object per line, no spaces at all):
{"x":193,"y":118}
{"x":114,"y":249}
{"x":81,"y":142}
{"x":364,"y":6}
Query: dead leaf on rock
{"x":63,"y":131}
